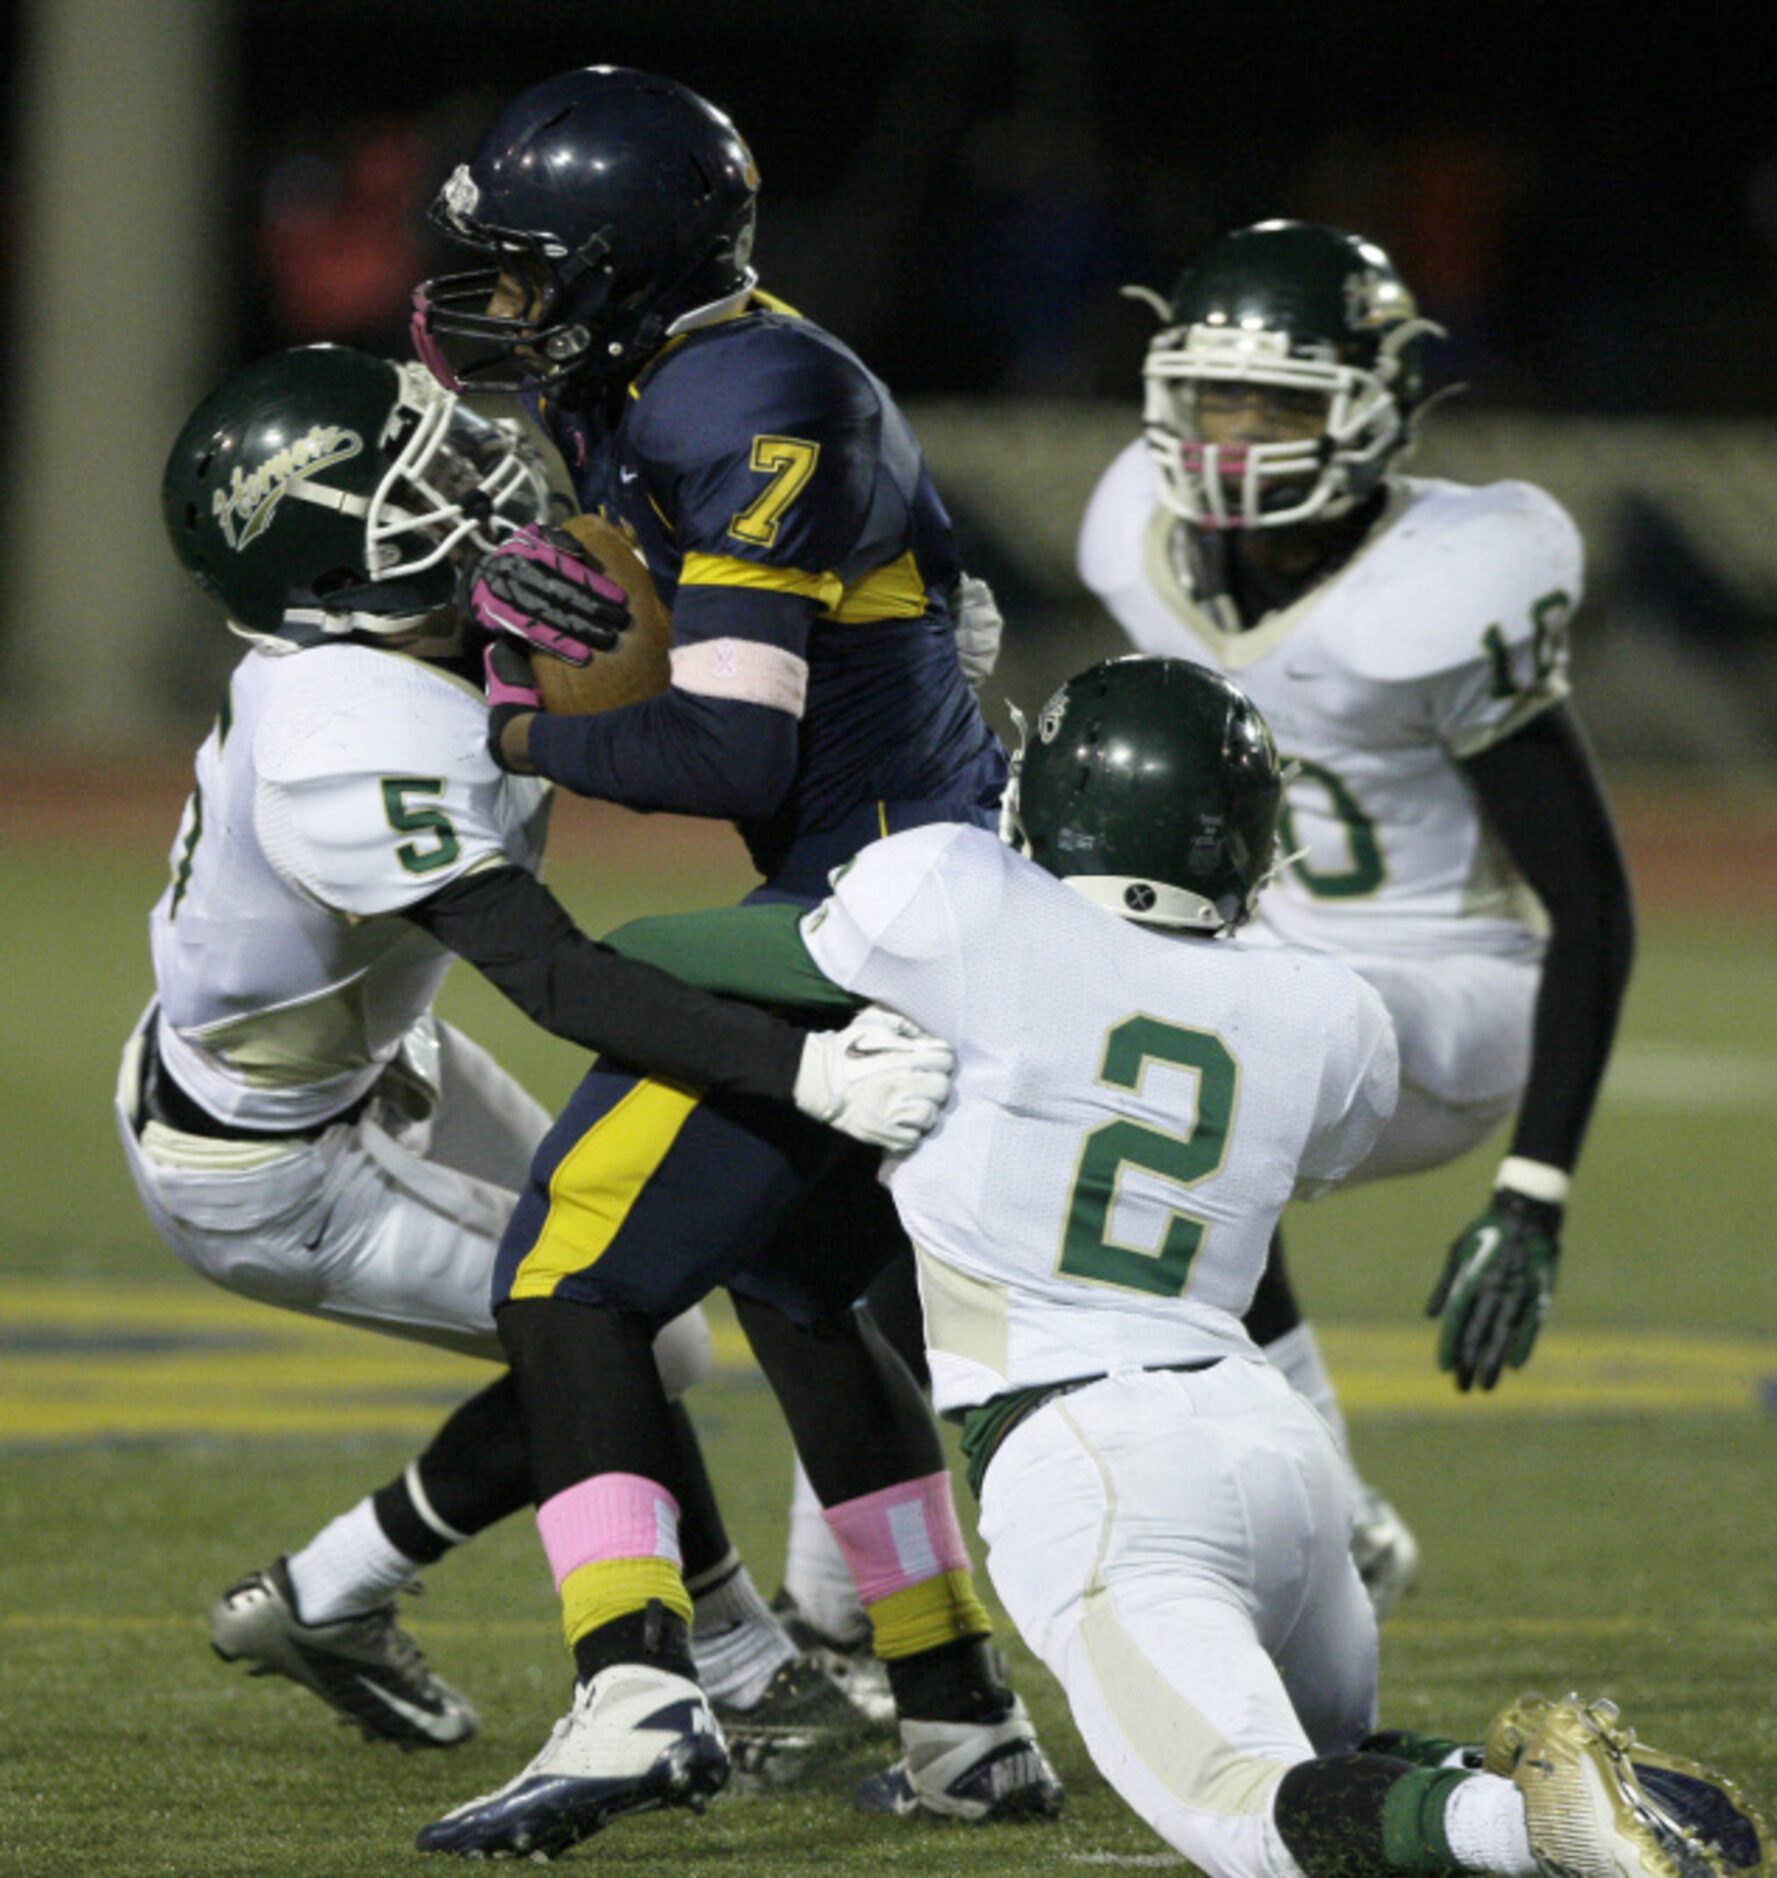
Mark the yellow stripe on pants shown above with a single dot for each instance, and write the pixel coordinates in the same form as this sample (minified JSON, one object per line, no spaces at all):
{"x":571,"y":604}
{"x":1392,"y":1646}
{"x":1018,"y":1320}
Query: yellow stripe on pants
{"x":599,"y":1180}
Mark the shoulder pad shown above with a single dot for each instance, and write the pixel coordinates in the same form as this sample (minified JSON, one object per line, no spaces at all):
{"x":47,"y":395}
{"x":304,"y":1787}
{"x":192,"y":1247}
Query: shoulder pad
{"x":1116,"y":518}
{"x":351,"y":711}
{"x":749,"y":378}
{"x":878,"y":887}
{"x":1456,"y":564}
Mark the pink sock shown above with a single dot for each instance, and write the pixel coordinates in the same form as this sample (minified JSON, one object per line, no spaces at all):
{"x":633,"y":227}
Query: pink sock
{"x":899,"y":1536}
{"x":608,"y":1516}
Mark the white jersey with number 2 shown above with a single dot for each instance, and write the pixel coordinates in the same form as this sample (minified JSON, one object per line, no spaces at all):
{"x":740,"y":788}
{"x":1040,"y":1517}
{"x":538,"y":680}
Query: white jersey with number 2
{"x":1132,"y":1109}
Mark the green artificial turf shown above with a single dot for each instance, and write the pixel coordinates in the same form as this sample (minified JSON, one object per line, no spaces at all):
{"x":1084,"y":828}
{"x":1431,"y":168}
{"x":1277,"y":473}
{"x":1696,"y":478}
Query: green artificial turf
{"x":1605,"y":1522}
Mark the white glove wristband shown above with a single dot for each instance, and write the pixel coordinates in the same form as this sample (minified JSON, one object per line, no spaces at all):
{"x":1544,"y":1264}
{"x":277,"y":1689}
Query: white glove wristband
{"x":1536,"y":1180}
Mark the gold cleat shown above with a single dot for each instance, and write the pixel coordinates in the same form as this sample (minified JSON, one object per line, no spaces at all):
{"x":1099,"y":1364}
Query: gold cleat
{"x":1600,"y":1805}
{"x":1508,"y":1732}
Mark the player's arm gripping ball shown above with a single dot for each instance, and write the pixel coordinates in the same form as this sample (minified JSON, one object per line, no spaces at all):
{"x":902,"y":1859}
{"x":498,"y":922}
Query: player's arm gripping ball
{"x":538,"y":588}
{"x":1496,"y":1288}
{"x":881,"y":1079}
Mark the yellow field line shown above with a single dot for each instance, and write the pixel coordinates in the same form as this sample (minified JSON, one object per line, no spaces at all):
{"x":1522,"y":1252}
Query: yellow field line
{"x":230,"y":1368}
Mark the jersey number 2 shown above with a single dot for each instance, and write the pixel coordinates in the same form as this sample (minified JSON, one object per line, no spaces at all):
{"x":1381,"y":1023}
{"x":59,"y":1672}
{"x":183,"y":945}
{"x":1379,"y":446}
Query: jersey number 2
{"x":1087,"y":1249}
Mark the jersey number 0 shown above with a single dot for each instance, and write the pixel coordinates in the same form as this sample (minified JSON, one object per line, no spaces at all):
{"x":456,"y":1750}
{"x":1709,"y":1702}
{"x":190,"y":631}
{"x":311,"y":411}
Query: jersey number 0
{"x":1087,"y":1249}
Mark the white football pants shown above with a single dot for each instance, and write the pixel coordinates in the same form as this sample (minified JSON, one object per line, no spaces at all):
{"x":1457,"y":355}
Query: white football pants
{"x":385,"y":1222}
{"x":1176,"y":1548}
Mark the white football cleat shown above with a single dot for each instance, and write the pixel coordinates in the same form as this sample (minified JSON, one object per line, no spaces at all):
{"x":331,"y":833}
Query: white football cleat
{"x":636,"y":1739}
{"x":968,"y":1770}
{"x":367,"y":1667}
{"x":1384,"y":1551}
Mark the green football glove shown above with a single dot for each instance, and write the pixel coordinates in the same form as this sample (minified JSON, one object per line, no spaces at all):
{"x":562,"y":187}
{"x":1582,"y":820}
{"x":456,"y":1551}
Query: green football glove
{"x":1496,"y":1288}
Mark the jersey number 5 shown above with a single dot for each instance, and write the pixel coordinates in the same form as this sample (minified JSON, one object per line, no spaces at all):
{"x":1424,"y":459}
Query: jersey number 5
{"x":789,"y":462}
{"x":432,"y":822}
{"x":1087,"y":1249}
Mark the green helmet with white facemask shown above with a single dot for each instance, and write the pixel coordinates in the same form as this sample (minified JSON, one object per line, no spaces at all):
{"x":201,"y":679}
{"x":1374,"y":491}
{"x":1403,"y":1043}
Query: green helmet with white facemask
{"x":1306,"y":312}
{"x":321,"y":492}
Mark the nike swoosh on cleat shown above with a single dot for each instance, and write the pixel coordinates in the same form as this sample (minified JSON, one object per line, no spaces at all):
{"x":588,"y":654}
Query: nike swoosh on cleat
{"x":435,"y":1727}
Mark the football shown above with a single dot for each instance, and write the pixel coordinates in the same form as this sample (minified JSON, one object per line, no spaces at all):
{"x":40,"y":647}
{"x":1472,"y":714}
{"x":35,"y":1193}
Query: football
{"x":639,"y":667}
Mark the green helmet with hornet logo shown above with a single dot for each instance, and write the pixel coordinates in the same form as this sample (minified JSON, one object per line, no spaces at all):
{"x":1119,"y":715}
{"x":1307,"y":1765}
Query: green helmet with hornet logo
{"x":321,"y":492}
{"x":1151,"y":786}
{"x":1309,"y":312}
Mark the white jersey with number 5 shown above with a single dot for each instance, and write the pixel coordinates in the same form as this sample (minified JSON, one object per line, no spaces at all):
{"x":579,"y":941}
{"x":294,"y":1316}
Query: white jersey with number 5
{"x":340,"y":785}
{"x":1445,"y":632}
{"x":1132,"y":1109}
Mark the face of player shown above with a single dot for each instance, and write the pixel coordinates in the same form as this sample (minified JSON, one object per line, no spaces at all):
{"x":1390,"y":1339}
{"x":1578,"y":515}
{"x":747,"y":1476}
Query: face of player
{"x":1231,"y":411}
{"x":519,"y":292}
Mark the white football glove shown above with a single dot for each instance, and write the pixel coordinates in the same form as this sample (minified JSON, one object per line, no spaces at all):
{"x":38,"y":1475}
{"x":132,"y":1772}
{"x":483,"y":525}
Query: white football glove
{"x":881,"y":1079}
{"x":976,"y":614}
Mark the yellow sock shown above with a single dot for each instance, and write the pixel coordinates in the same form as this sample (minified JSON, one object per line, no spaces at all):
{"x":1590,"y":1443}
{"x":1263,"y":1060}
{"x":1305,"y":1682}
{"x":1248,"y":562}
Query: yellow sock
{"x":938,"y":1610}
{"x":609,"y":1588}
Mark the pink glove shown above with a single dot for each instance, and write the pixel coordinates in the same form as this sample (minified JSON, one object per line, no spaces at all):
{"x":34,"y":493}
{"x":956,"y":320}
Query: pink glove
{"x":539,"y":588}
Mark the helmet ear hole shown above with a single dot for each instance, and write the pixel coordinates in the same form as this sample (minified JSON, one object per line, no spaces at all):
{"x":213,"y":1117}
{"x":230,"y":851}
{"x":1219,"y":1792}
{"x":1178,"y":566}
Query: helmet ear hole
{"x":336,"y":580}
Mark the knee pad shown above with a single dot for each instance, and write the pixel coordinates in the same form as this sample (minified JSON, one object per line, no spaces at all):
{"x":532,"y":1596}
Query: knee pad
{"x":683,"y":1351}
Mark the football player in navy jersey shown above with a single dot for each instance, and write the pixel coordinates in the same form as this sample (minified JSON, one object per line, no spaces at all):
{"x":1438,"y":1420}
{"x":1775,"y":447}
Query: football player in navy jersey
{"x":818,"y":699}
{"x":771,"y":482}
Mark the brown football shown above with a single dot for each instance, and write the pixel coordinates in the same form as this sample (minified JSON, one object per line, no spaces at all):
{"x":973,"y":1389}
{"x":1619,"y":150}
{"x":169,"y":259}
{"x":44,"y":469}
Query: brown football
{"x":639,"y":667}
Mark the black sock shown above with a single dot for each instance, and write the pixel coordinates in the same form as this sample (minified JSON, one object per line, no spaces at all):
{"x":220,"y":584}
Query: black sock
{"x":1353,"y":1815}
{"x":592,"y":1398}
{"x":893,"y":1300}
{"x":964,"y":1681}
{"x":475,"y":1472}
{"x":703,"y":1539}
{"x":859,"y":1420}
{"x":653,"y":1635}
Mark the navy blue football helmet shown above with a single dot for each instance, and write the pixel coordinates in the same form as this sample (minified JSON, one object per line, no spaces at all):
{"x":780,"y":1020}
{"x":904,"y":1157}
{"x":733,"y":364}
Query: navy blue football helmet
{"x":617,"y":205}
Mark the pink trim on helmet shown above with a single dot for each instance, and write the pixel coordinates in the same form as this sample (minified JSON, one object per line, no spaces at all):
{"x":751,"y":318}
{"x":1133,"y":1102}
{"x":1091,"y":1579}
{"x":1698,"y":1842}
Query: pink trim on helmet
{"x":427,"y":349}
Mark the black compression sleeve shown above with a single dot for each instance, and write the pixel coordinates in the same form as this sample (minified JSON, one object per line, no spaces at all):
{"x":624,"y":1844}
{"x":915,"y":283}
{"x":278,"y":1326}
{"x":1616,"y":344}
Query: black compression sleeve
{"x":514,"y":931}
{"x":1542,"y":797}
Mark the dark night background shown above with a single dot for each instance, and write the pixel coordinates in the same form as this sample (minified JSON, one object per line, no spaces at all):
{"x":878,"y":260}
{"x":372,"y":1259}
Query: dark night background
{"x":1585,"y":196}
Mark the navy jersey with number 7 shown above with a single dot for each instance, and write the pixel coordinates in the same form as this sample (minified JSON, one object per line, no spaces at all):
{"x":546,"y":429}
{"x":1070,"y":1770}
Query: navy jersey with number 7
{"x":787,"y":516}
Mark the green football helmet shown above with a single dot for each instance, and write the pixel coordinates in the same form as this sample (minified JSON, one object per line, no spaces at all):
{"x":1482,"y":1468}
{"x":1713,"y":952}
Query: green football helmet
{"x":1301,"y":309}
{"x":321,"y":492}
{"x":1152,"y":787}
